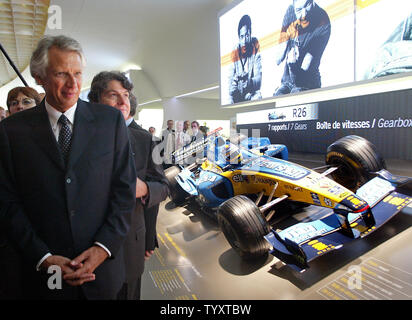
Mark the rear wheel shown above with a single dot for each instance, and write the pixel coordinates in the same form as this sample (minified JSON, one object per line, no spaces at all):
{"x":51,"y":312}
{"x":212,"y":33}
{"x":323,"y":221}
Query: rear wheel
{"x":356,"y":159}
{"x":244,"y":226}
{"x":177,"y":194}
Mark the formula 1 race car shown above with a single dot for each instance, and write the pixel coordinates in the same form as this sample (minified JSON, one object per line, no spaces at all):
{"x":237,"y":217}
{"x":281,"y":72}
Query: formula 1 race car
{"x":245,"y":182}
{"x":274,"y":116}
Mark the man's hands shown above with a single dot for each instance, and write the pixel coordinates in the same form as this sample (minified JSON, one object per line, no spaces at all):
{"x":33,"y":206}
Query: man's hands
{"x":67,"y":268}
{"x":293,"y":30}
{"x":80,"y":269}
{"x":240,"y":83}
{"x":148,"y":254}
{"x":85,"y":264}
{"x":141,"y":188}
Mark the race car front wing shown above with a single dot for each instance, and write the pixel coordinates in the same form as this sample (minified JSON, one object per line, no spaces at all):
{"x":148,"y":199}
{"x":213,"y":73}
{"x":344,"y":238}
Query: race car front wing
{"x":301,"y":243}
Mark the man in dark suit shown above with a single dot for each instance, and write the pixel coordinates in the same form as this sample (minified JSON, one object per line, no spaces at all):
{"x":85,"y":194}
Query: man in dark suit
{"x":197,"y":135}
{"x":67,"y":183}
{"x":114,"y":89}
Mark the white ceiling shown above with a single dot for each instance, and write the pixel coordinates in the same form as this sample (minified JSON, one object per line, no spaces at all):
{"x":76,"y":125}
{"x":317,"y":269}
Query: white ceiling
{"x":22,"y":24}
{"x":174,"y":41}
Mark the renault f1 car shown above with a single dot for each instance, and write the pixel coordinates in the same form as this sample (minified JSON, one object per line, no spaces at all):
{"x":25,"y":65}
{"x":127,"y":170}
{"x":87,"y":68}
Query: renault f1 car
{"x":245,"y":182}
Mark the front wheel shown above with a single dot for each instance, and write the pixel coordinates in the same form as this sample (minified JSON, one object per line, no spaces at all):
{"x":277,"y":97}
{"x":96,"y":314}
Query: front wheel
{"x":356,"y":159}
{"x":244,"y":227}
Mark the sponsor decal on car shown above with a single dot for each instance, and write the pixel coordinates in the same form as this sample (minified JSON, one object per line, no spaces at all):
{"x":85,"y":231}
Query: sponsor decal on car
{"x":293,"y":188}
{"x":262,"y":180}
{"x":207,"y":178}
{"x":339,"y":191}
{"x":302,"y":232}
{"x":354,"y":202}
{"x":315,"y":198}
{"x":280,"y":168}
{"x":240,"y":178}
{"x":328,"y":202}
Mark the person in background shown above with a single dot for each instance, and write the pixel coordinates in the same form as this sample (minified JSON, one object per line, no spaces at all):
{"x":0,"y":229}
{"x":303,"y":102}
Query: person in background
{"x":204,"y":130}
{"x":245,"y":74}
{"x":305,"y":32}
{"x":175,"y":141}
{"x":186,"y":127}
{"x":113,"y":88}
{"x":152,"y":131}
{"x":3,"y":114}
{"x":163,"y":141}
{"x":22,"y":98}
{"x":169,"y":129}
{"x":197,"y":136}
{"x":196,"y":133}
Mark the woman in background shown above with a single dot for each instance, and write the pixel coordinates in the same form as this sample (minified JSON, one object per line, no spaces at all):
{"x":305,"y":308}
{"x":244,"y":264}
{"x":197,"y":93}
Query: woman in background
{"x":22,"y":98}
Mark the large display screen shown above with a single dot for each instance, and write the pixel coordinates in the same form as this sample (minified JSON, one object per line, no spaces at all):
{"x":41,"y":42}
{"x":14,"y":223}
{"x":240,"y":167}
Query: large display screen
{"x":274,"y":48}
{"x":383,"y":38}
{"x":385,"y":119}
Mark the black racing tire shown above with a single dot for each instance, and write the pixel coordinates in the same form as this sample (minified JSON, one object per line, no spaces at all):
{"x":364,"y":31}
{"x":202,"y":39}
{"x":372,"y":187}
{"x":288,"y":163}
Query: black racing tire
{"x":244,"y":226}
{"x":356,"y":159}
{"x":176,"y":192}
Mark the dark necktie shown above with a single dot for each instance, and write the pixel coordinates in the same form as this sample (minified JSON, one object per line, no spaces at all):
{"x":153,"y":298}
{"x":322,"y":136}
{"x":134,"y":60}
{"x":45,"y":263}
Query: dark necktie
{"x":65,"y":136}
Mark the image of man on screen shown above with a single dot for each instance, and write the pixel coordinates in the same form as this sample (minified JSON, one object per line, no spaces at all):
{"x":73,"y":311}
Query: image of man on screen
{"x":245,"y":74}
{"x":305,"y":33}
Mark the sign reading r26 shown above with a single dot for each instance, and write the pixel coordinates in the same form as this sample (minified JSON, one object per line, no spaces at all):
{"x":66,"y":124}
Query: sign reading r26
{"x":299,"y":112}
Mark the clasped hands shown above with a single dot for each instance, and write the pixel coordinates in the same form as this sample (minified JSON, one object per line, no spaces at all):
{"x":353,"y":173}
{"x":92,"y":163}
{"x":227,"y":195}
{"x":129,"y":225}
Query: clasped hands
{"x":79,"y":270}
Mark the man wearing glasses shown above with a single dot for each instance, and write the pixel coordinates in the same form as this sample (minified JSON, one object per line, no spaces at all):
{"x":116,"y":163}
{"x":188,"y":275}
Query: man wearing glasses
{"x":304,"y":35}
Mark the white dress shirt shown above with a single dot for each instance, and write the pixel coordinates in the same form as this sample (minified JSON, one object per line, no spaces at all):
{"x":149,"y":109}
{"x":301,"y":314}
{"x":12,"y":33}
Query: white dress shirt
{"x":54,"y":116}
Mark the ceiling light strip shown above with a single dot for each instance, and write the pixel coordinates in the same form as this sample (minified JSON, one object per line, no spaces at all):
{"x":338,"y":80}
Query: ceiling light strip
{"x":196,"y":92}
{"x":149,"y":102}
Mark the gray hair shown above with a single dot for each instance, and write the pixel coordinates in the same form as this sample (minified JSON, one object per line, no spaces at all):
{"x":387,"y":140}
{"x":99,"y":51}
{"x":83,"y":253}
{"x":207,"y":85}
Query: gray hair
{"x":40,"y":58}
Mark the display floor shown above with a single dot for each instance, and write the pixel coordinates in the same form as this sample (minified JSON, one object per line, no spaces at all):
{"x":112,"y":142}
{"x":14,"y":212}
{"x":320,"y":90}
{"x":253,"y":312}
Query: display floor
{"x":195,"y":262}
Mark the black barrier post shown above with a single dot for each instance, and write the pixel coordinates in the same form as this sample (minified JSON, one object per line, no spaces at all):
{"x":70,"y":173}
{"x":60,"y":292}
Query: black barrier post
{"x":13,"y":65}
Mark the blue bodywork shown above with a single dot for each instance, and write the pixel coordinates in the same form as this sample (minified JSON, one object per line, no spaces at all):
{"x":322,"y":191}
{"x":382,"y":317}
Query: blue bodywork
{"x":355,"y":216}
{"x":211,"y":188}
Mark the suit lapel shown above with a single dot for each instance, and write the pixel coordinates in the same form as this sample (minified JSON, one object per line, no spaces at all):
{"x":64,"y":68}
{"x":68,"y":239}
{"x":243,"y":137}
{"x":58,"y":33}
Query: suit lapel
{"x":83,"y":131}
{"x":134,"y":125}
{"x":44,"y":137}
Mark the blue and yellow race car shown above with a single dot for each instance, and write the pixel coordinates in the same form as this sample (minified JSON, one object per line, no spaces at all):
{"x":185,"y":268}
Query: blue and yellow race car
{"x":245,"y":181}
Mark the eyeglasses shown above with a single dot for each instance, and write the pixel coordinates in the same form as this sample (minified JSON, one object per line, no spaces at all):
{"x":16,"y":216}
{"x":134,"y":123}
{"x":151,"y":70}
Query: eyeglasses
{"x":25,"y":102}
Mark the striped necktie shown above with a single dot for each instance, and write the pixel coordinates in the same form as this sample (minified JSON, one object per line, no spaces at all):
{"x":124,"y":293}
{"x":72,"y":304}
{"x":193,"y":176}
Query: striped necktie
{"x":65,"y":137}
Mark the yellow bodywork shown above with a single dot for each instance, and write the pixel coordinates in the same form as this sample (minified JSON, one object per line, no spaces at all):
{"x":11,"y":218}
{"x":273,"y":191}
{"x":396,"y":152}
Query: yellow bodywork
{"x":312,"y":189}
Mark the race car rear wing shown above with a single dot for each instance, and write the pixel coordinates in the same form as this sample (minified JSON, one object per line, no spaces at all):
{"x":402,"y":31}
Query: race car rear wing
{"x":186,"y":152}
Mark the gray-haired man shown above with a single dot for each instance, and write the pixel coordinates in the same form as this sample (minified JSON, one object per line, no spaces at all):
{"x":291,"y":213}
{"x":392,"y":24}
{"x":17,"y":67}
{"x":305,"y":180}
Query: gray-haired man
{"x":70,"y":206}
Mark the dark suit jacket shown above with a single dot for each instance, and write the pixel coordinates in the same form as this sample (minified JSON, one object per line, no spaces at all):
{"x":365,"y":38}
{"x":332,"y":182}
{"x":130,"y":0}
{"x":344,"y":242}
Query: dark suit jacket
{"x":50,"y":208}
{"x":142,"y":235}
